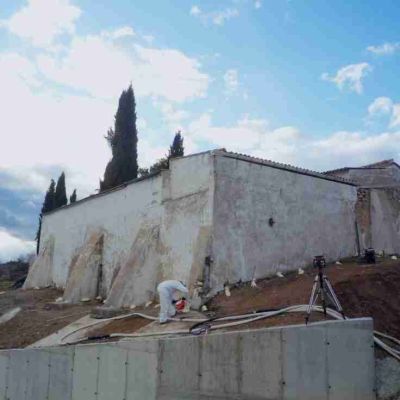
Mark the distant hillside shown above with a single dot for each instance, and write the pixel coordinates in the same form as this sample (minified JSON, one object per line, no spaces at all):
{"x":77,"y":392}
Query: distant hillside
{"x":13,"y":270}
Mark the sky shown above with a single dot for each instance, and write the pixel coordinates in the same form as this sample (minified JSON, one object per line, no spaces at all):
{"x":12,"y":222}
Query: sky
{"x":309,"y":83}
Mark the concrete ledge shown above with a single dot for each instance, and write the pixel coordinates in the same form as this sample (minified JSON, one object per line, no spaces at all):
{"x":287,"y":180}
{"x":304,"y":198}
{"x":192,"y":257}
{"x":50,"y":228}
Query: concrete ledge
{"x":325,"y":360}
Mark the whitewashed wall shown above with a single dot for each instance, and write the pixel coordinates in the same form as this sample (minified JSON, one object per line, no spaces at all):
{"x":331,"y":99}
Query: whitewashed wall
{"x":311,"y":216}
{"x":187,"y":217}
{"x":178,"y":200}
{"x":118,"y":214}
{"x":207,"y":204}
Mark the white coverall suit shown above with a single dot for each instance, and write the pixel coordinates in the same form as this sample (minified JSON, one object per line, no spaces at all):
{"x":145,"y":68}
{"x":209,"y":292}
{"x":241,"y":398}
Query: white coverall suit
{"x":166,"y":290}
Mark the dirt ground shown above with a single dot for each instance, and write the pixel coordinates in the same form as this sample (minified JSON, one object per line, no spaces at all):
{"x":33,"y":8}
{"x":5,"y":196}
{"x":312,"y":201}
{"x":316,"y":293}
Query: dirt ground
{"x":363,"y":291}
{"x":127,"y":325}
{"x":38,"y":318}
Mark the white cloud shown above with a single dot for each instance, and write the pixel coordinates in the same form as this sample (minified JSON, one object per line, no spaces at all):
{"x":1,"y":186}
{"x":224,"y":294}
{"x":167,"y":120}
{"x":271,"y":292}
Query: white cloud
{"x":55,"y":130}
{"x":42,"y":21}
{"x":220,"y":17}
{"x":395,"y":120}
{"x":246,"y":135}
{"x":168,"y":73}
{"x":215,"y":17}
{"x":141,"y":123}
{"x":384,"y":49}
{"x":231,"y":80}
{"x":123,"y":32}
{"x":287,"y":144}
{"x":148,"y":38}
{"x":12,"y":247}
{"x":257,"y":4}
{"x":381,"y":105}
{"x":237,"y":136}
{"x":350,"y":76}
{"x":61,"y":129}
{"x":174,"y":117}
{"x":101,"y":68}
{"x":195,"y":10}
{"x":346,"y":148}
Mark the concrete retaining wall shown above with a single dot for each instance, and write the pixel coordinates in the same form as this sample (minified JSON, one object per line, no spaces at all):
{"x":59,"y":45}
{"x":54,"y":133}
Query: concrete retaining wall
{"x":332,"y":360}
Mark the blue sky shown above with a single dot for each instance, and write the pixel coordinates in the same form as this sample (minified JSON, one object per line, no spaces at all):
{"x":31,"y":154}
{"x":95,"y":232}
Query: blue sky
{"x":310,"y":83}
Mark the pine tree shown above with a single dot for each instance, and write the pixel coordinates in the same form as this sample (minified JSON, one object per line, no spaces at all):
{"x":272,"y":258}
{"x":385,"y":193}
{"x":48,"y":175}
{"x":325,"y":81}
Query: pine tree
{"x":61,"y":193}
{"x":177,"y":149}
{"x":123,"y":142}
{"x":72,"y":198}
{"x":49,"y":204}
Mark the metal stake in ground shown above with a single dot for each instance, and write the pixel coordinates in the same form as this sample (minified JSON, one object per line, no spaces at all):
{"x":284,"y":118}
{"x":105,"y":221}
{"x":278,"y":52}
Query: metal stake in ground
{"x":322,"y":288}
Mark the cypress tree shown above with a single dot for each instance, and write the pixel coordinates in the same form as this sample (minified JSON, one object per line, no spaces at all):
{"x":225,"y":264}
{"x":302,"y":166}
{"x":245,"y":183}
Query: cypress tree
{"x":177,"y":149}
{"x":123,"y":142}
{"x":61,"y":194}
{"x":72,"y":198}
{"x":49,"y":204}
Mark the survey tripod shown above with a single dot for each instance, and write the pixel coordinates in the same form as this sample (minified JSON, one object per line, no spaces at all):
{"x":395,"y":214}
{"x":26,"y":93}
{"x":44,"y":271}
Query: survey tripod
{"x":322,"y":288}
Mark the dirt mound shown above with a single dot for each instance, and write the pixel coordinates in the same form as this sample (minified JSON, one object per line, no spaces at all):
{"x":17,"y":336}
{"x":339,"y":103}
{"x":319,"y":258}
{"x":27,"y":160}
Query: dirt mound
{"x":363,"y":290}
{"x":375,"y":295}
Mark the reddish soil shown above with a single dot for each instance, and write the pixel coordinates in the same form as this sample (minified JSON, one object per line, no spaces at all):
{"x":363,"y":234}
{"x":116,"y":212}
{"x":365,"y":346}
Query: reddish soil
{"x":38,"y":318}
{"x":363,"y":290}
{"x":127,"y":325}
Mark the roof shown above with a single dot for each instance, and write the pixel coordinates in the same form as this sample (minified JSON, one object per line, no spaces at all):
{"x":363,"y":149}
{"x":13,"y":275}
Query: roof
{"x":286,"y":167}
{"x":378,"y":165}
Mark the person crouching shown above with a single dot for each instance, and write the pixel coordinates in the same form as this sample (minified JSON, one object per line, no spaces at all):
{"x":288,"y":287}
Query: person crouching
{"x":166,"y":291}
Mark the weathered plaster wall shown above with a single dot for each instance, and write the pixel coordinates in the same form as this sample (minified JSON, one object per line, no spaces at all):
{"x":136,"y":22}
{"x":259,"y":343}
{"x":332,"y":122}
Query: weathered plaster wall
{"x":310,"y":215}
{"x":118,"y":214}
{"x":187,"y":217}
{"x":163,"y":227}
{"x":177,"y":203}
{"x":179,"y":246}
{"x":385,"y":219}
{"x":380,"y":176}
